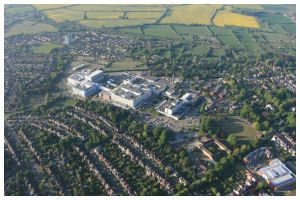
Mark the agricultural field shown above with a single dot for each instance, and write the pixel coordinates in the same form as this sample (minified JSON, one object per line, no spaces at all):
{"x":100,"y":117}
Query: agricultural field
{"x":119,"y":7}
{"x":190,"y":14}
{"x":245,"y":38}
{"x":290,"y":28}
{"x":132,"y":30}
{"x":144,"y":15}
{"x":45,"y":48}
{"x":225,"y":36}
{"x":28,"y":27}
{"x":248,"y":6}
{"x":104,"y":15}
{"x":220,"y":30}
{"x":63,"y":14}
{"x":199,"y":50}
{"x":50,"y":6}
{"x":230,"y":40}
{"x":115,"y":22}
{"x":192,"y":30}
{"x":18,"y":9}
{"x":127,"y":64}
{"x":217,"y":52}
{"x":227,"y":18}
{"x":275,"y":19}
{"x":278,"y":29}
{"x":275,"y":38}
{"x":160,"y":31}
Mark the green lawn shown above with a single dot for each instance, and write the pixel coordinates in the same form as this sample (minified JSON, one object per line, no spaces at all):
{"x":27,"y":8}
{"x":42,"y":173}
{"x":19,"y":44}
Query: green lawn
{"x":199,"y":50}
{"x":126,"y":64}
{"x":230,"y":40}
{"x":28,"y":27}
{"x":132,"y":30}
{"x":45,"y":48}
{"x":160,"y":31}
{"x":241,"y":130}
{"x":192,"y":30}
{"x":15,"y":9}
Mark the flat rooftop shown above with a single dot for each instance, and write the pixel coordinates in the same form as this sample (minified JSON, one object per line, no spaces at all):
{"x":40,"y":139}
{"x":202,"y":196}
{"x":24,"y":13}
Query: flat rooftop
{"x":95,"y":73}
{"x":277,"y":173}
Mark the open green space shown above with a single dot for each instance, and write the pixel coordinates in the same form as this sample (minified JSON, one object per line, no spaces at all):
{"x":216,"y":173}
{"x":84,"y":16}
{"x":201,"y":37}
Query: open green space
{"x":245,"y":38}
{"x":241,"y":130}
{"x":199,"y":50}
{"x":127,"y":64}
{"x":290,"y":28}
{"x":230,"y":40}
{"x":132,"y":30}
{"x":275,"y":19}
{"x":220,"y":30}
{"x":115,"y":22}
{"x":192,"y":30}
{"x":15,"y":9}
{"x":45,"y":48}
{"x":28,"y":27}
{"x":160,"y":31}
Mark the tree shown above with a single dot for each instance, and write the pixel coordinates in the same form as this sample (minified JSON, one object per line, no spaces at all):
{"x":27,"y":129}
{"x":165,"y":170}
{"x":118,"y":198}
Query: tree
{"x":257,"y":126}
{"x":183,"y":192}
{"x":245,"y":111}
{"x":231,"y":139}
{"x":186,"y":162}
{"x":209,"y":125}
{"x":254,"y":142}
{"x":157,"y":131}
{"x":163,"y":138}
{"x":244,"y":149}
{"x":261,"y":185}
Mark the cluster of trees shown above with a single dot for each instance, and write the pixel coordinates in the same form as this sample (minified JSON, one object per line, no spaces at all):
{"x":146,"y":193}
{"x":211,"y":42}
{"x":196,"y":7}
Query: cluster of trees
{"x":209,"y":125}
{"x":281,"y":101}
{"x":223,"y":177}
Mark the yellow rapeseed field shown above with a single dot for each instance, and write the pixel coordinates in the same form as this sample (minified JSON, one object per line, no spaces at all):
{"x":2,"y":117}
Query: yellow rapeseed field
{"x":191,"y":14}
{"x":233,"y":19}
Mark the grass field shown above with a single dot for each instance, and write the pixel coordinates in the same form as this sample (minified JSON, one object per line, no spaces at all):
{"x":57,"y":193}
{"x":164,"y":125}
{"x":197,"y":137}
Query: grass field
{"x":275,"y":38}
{"x":104,"y":15}
{"x":63,"y":14}
{"x":230,"y":40}
{"x":133,"y":30}
{"x":192,"y":30}
{"x":45,"y":48}
{"x":115,"y":23}
{"x":118,"y":7}
{"x":241,"y":130}
{"x":218,"y":52}
{"x":160,"y":31}
{"x":278,"y":29}
{"x":29,"y":27}
{"x":220,"y":30}
{"x":291,"y":28}
{"x":248,"y":6}
{"x":126,"y":64}
{"x":50,"y":6}
{"x":245,"y":38}
{"x":227,"y":18}
{"x":274,"y":19}
{"x":144,"y":15}
{"x":190,"y":14}
{"x":18,"y":9}
{"x":199,"y":50}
